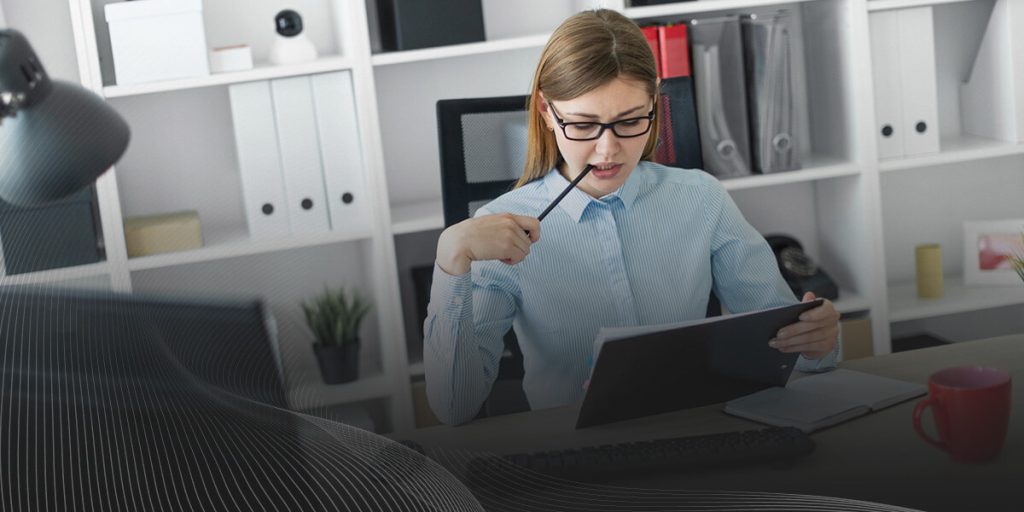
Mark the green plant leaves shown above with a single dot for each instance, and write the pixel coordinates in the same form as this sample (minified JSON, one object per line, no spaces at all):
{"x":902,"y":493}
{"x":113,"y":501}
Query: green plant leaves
{"x":335,"y":316}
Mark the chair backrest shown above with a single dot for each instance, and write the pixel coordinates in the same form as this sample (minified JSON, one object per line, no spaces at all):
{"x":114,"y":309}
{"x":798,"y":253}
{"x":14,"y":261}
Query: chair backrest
{"x":483,"y":151}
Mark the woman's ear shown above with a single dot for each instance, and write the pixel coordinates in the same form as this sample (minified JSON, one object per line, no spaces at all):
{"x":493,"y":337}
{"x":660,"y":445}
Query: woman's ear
{"x":542,"y":108}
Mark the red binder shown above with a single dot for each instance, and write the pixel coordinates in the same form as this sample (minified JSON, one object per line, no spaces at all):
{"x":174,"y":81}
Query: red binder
{"x":675,"y":51}
{"x":651,"y":34}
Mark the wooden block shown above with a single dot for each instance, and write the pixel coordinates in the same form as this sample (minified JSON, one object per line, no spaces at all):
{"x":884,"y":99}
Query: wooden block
{"x":155,"y":234}
{"x":857,"y":339}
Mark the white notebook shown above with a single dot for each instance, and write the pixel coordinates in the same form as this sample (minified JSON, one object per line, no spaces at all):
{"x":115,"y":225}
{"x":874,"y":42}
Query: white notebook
{"x":824,"y":399}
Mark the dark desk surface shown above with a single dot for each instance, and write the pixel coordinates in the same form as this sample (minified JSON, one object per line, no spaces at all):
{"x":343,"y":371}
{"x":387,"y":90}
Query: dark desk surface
{"x":876,"y":458}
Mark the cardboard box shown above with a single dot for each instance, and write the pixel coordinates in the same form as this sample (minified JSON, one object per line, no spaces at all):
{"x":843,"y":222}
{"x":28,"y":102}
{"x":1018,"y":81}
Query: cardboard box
{"x":857,"y":339}
{"x":154,"y":234}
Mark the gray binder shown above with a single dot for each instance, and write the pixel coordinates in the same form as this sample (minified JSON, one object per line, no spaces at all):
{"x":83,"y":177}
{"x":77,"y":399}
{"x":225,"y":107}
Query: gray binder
{"x":717,"y":54}
{"x":769,"y":53}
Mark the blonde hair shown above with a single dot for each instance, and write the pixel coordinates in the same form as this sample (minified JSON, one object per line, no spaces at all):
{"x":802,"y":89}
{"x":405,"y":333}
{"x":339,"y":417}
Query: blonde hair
{"x":585,"y":52}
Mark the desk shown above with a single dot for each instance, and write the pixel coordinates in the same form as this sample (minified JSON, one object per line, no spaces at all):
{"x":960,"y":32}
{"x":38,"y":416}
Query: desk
{"x":876,"y":458}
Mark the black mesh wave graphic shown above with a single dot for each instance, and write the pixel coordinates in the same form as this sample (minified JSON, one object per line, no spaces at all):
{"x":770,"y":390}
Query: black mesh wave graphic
{"x":104,"y":405}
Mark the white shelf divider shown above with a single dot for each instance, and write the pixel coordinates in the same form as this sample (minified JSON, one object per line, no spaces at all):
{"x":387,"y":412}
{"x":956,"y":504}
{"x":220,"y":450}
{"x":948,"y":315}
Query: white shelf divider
{"x":260,"y":72}
{"x":904,"y":304}
{"x":233,"y":244}
{"x":962,"y":149}
{"x":820,"y":170}
{"x":851,"y":302}
{"x":460,"y":50}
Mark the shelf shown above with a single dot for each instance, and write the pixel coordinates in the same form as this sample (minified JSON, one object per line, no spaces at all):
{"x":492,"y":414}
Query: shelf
{"x":961,"y":149}
{"x":416,"y":217}
{"x":260,"y":72}
{"x":850,"y":302}
{"x":882,"y":5}
{"x":817,"y":169}
{"x":459,"y":50}
{"x":320,"y":394}
{"x":56,"y":275}
{"x":682,"y":8}
{"x":232,"y":244}
{"x":904,"y":304}
{"x":427,"y":215}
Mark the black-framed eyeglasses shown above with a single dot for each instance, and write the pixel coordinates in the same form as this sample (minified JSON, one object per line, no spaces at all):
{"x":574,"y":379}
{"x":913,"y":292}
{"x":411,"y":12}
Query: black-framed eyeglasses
{"x":590,"y":130}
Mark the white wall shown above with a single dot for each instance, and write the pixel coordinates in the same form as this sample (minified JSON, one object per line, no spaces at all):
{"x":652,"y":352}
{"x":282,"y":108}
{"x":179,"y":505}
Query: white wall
{"x":47,"y":25}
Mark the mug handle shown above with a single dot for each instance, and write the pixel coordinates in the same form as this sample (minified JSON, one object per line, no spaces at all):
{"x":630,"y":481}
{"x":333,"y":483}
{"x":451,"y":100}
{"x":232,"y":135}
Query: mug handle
{"x":921,"y":406}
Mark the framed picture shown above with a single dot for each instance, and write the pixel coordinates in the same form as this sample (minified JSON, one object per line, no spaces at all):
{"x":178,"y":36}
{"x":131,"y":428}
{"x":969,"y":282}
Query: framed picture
{"x":989,"y":249}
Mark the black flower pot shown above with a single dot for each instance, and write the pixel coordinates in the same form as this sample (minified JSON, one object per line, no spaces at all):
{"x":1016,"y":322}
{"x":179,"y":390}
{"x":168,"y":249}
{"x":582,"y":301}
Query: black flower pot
{"x":338,"y":364}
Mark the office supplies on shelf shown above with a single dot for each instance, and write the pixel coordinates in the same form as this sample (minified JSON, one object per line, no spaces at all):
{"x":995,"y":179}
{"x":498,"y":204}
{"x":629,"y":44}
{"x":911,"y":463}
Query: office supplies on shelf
{"x":295,"y":113}
{"x":341,"y":150}
{"x":259,"y":159}
{"x":650,"y":33}
{"x":60,"y":234}
{"x":230,"y":58}
{"x":928,"y":271}
{"x":291,"y":46}
{"x":157,"y":40}
{"x":822,"y":400}
{"x":673,"y":51}
{"x":668,"y":455}
{"x":412,"y":24}
{"x":155,"y":234}
{"x":768,"y":56}
{"x":678,"y":131}
{"x":645,"y":370}
{"x":575,"y":181}
{"x":989,"y":104}
{"x":906,"y":97}
{"x":717,"y":54}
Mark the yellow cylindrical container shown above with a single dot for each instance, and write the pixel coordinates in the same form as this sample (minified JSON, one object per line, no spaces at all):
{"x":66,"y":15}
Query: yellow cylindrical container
{"x":929,"y":271}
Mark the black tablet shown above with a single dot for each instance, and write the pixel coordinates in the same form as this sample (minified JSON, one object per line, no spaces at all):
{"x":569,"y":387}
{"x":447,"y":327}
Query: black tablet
{"x":706,"y":363}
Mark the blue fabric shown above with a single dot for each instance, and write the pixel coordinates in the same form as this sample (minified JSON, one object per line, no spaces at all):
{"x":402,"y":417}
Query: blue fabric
{"x":643,"y":255}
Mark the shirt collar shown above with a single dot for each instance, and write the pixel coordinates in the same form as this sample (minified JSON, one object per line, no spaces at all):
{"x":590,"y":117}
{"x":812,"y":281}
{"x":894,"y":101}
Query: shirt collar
{"x":576,"y":201}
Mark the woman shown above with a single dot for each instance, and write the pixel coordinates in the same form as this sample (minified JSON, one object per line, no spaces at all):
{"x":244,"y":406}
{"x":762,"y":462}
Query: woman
{"x":635,"y":243}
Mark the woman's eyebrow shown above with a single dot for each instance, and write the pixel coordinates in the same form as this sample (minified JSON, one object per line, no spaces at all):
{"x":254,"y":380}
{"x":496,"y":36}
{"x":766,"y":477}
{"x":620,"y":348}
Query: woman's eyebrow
{"x":592,"y":116}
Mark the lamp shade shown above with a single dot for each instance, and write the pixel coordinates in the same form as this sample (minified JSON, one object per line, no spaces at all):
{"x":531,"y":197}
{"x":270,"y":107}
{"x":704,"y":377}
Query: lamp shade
{"x":60,"y":138}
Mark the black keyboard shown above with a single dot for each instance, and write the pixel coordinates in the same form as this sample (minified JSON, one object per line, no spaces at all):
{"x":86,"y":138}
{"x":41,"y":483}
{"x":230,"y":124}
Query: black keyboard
{"x":746,"y":447}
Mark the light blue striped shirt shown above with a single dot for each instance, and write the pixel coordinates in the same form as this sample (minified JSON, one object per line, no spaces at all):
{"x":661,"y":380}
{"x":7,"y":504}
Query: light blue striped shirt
{"x":643,"y":255}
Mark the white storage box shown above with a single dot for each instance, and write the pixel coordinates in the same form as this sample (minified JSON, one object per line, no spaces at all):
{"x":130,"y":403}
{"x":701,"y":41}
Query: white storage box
{"x":157,"y":40}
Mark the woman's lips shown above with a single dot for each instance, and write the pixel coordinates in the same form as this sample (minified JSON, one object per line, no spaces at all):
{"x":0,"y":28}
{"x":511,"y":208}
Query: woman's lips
{"x":605,"y":174}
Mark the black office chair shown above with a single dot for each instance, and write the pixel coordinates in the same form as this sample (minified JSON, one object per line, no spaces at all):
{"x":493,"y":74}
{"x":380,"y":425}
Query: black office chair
{"x":483,"y":150}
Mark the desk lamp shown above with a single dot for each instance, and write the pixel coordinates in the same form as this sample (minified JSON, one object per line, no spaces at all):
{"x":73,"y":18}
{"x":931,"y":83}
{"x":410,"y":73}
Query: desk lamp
{"x":55,"y":137}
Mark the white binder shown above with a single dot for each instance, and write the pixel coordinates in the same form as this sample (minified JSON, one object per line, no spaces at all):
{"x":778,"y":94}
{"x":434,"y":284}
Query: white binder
{"x":252,"y":110}
{"x":920,"y":92}
{"x":886,"y":68}
{"x":340,"y":150}
{"x":300,"y":155}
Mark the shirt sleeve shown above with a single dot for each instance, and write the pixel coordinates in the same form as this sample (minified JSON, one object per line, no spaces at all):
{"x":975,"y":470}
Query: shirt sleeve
{"x":746,"y":273}
{"x":463,"y":333}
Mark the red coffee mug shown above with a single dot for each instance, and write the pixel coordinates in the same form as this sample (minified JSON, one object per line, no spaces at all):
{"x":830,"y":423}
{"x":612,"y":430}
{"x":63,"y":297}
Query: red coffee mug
{"x":971,"y":408}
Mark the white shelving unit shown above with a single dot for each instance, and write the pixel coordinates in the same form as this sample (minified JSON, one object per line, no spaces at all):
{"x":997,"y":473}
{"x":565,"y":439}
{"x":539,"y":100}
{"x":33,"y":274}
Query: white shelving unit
{"x":857,"y":215}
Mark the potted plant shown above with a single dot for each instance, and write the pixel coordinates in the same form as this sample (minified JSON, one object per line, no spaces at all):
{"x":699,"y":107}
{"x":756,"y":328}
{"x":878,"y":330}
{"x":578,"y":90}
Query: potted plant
{"x":334,"y":317}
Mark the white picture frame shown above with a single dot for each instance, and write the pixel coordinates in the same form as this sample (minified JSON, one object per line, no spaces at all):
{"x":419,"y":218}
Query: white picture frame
{"x":986,"y":245}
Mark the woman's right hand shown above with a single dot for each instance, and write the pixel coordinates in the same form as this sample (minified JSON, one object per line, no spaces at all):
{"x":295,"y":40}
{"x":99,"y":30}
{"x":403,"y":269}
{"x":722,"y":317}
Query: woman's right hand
{"x":502,"y":236}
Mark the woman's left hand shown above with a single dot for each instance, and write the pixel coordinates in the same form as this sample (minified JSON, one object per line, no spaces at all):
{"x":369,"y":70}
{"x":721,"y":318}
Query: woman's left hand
{"x":815,"y":335}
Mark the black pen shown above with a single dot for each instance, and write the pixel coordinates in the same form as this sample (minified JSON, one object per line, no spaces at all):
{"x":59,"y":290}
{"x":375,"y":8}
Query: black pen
{"x":586,"y":170}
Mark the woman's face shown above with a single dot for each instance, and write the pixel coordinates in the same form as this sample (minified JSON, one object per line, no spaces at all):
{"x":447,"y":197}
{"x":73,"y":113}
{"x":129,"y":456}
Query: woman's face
{"x":613,"y":157}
